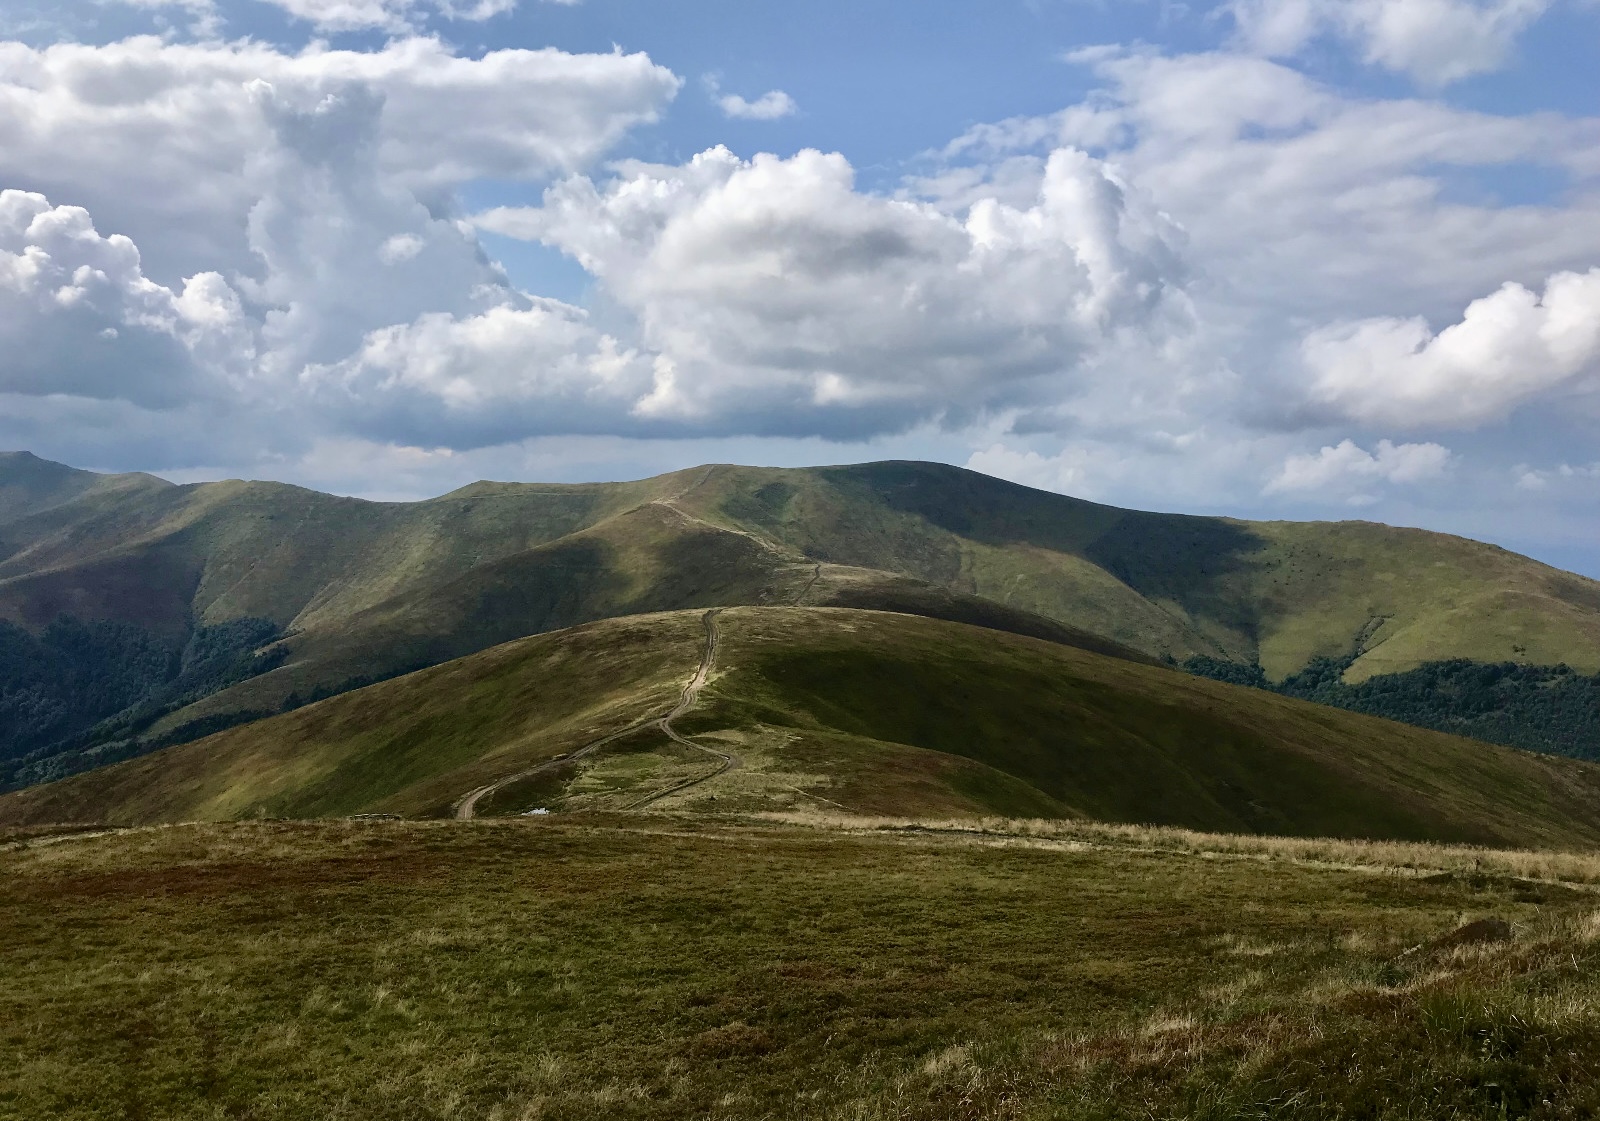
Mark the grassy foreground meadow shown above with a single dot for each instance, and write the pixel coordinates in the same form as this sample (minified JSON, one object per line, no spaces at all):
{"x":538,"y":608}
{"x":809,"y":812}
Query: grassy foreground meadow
{"x":660,"y":966}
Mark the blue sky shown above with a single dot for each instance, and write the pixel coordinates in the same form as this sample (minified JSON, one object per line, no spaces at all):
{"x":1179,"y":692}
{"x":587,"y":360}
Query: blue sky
{"x":1273,"y":258}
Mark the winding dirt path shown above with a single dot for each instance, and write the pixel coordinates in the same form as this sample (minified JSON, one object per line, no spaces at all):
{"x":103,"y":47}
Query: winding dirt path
{"x":466,"y":809}
{"x":812,"y":583}
{"x":691,"y":691}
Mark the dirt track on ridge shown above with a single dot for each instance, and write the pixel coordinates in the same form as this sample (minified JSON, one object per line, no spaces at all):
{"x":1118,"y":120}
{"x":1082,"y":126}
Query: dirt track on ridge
{"x":690,"y":692}
{"x":466,"y":809}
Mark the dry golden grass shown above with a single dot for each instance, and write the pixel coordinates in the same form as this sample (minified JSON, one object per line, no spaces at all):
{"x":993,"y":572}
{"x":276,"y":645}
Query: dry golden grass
{"x":1401,"y":857}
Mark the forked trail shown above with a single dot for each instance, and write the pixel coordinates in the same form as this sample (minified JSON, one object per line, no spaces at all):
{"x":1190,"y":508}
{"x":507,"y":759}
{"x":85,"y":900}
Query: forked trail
{"x":467,"y":807}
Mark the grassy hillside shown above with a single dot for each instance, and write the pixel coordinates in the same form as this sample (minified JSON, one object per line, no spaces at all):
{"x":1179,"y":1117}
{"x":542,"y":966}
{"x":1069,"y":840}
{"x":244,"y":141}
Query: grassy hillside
{"x":1278,"y":592}
{"x":864,"y":712}
{"x":411,"y":745}
{"x":623,"y":970}
{"x":30,"y":485}
{"x":362,"y":590}
{"x":1110,"y":740}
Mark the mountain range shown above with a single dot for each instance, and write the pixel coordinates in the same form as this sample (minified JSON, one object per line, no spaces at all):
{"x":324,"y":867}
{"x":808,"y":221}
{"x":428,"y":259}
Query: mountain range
{"x":164,"y":611}
{"x":838,"y":711}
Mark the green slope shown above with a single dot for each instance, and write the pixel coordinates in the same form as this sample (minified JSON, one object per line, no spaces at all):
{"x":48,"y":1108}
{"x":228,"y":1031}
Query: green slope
{"x":410,"y":745}
{"x":30,"y":485}
{"x":866,"y":712}
{"x":364,"y":589}
{"x":1280,"y":592}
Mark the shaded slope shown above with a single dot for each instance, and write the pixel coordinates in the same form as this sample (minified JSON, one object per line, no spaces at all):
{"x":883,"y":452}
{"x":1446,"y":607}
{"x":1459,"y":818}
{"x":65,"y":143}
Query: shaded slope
{"x":306,"y":560}
{"x":1538,"y":708}
{"x":651,"y":558}
{"x":1118,"y":741}
{"x":76,"y":689}
{"x":30,"y":485}
{"x":366,"y":590}
{"x":135,"y":549}
{"x":865,"y":711}
{"x":866,"y":589}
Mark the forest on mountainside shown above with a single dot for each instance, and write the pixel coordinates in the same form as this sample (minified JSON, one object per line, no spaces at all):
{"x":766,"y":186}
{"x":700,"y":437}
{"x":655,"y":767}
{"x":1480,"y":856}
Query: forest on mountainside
{"x":1552,"y":709}
{"x":73,"y":691}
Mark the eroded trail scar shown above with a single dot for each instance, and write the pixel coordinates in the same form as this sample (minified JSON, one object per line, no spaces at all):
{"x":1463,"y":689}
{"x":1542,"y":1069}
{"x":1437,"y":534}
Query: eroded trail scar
{"x":727,"y":761}
{"x":467,"y":807}
{"x":811,"y":583}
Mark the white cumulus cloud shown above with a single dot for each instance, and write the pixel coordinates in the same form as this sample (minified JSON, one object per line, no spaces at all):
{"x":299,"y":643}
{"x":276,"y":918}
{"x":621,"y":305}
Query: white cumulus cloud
{"x":526,"y":367}
{"x":302,"y":210}
{"x":79,"y":317}
{"x":770,"y":106}
{"x":779,"y":298}
{"x":342,"y":248}
{"x":1339,"y":467}
{"x":1508,"y":348}
{"x":159,"y":139}
{"x":1300,"y":202}
{"x":1434,"y":41}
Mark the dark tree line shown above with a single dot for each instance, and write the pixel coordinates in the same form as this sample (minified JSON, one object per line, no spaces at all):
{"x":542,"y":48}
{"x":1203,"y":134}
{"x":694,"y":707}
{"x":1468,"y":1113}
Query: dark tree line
{"x":1552,"y":709}
{"x":76,"y":687}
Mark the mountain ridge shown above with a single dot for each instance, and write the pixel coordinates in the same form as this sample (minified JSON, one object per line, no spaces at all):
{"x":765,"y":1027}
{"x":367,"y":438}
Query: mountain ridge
{"x":860,"y":711}
{"x":362,"y":589}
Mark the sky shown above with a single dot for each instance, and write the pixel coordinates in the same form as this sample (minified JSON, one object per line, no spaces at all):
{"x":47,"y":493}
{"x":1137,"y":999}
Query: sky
{"x":1265,"y":258}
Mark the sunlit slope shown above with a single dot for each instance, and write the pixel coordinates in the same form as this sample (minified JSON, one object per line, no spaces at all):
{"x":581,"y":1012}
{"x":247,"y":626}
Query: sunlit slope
{"x":301,"y":558}
{"x":1176,"y":585}
{"x":1402,"y":597}
{"x":30,"y":485}
{"x":1113,"y":740}
{"x":408,"y":746}
{"x":644,"y":560}
{"x":847,"y":710}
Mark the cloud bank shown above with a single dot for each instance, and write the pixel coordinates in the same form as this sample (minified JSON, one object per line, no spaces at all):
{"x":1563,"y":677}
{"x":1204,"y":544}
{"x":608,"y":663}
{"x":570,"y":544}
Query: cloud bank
{"x":763,"y":296}
{"x":160,"y":140}
{"x":78,"y":316}
{"x":345,"y":15}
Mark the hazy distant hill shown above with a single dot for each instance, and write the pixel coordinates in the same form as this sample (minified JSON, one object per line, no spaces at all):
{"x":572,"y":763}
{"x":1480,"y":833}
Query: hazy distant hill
{"x":361,"y":590}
